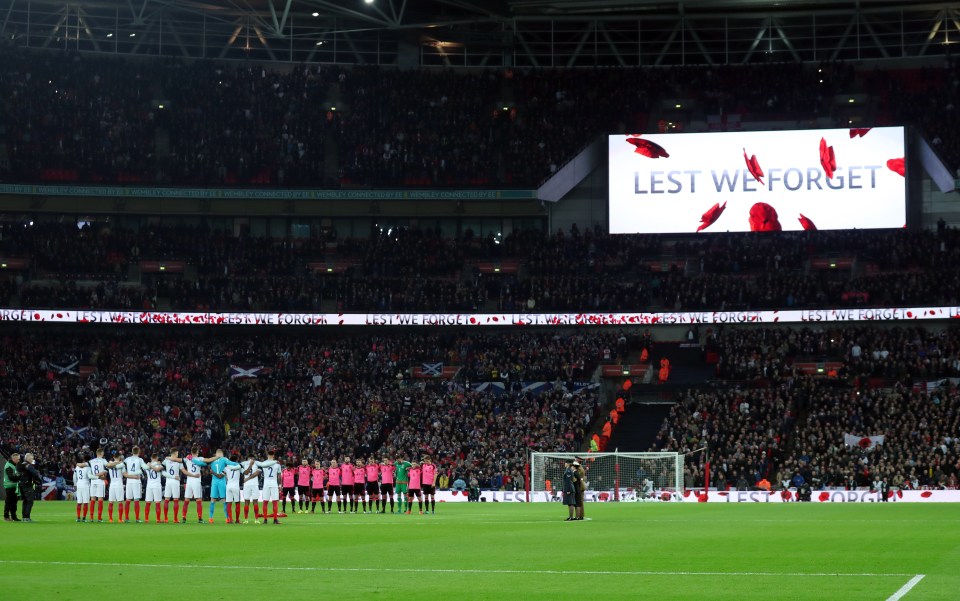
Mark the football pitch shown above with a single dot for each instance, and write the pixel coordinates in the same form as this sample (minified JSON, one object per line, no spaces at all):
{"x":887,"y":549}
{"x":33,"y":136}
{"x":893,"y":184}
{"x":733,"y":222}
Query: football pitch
{"x":500,"y":551}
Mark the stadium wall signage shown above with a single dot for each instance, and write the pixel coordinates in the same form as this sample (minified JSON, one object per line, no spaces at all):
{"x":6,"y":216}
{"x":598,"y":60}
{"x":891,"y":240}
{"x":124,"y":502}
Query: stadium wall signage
{"x":478,"y":319}
{"x":823,"y":496}
{"x":258,"y":194}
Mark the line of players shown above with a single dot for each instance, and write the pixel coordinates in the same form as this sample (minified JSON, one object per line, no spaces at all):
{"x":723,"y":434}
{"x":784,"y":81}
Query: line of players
{"x":370,"y":485}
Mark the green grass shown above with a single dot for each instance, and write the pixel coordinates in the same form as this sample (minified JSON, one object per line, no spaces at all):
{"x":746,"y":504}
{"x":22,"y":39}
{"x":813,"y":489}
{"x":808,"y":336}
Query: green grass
{"x":499,"y":551}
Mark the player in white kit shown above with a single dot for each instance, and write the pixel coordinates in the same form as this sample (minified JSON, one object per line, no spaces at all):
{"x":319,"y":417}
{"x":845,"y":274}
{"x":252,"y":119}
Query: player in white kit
{"x":193,"y":488}
{"x":134,"y":468}
{"x":234,"y":473}
{"x":81,"y":480}
{"x":271,"y":487}
{"x":154,"y":485}
{"x":251,"y":490}
{"x":172,"y":470}
{"x":115,"y":470}
{"x":98,"y":471}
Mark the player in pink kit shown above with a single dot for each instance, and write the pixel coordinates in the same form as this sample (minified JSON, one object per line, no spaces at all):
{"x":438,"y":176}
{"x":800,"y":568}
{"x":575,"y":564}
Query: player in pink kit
{"x":373,"y":487}
{"x":359,"y":486}
{"x":429,"y":483}
{"x":303,"y":485}
{"x":414,"y":487}
{"x":288,"y":481}
{"x":387,"y":470}
{"x":346,"y":484}
{"x":333,"y":487}
{"x":317,"y":477}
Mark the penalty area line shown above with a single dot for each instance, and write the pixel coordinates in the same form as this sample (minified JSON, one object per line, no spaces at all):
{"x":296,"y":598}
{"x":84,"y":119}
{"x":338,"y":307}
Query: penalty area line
{"x":906,"y":588}
{"x":459,"y":570}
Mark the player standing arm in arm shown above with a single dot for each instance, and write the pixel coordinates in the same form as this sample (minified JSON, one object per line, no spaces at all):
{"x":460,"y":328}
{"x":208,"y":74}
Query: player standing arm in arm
{"x":429,"y":477}
{"x":154,"y":486}
{"x":172,"y":469}
{"x":271,"y":486}
{"x":303,"y":485}
{"x":387,"y":469}
{"x":98,"y":473}
{"x":373,"y":486}
{"x":414,"y":474}
{"x":346,"y":484}
{"x":81,"y":480}
{"x":234,"y":473}
{"x":289,"y":476}
{"x":134,"y":469}
{"x":194,"y":487}
{"x":359,"y":486}
{"x":115,"y":469}
{"x":333,"y":487}
{"x":251,"y":490}
{"x":402,"y":468}
{"x":317,"y":476}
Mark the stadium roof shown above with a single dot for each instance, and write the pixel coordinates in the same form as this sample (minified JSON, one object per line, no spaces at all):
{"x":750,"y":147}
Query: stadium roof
{"x":490,"y":32}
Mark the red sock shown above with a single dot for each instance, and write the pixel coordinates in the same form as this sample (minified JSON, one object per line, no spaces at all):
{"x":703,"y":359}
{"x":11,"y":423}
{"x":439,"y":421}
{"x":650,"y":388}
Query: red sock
{"x":229,"y":515}
{"x":199,"y":509}
{"x":100,"y":509}
{"x":136,"y":509}
{"x":264,"y":510}
{"x":166,"y":510}
{"x":176,"y":508}
{"x":246,"y":511}
{"x":92,"y":505}
{"x":84,"y":509}
{"x":110,"y":511}
{"x":236,"y":512}
{"x":158,"y":512}
{"x":256,"y":512}
{"x":126,"y":510}
{"x":146,"y":514}
{"x":276,"y":511}
{"x":78,"y":511}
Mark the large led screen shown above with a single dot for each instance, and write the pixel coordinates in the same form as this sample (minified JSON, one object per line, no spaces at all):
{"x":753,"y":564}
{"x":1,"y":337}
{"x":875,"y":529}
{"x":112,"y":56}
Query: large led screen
{"x":825,"y":179}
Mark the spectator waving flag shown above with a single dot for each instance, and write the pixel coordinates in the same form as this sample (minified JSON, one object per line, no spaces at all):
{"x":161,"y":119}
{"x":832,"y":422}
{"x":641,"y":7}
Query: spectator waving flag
{"x":864,"y":442}
{"x":66,"y":369}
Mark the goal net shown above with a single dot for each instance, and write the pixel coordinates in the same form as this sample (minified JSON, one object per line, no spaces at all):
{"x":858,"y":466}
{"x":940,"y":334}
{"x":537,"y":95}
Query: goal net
{"x":611,"y":476}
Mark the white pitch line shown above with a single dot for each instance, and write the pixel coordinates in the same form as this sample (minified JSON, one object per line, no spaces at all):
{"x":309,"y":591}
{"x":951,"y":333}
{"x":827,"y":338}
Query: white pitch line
{"x":906,"y":588}
{"x":447,"y":570}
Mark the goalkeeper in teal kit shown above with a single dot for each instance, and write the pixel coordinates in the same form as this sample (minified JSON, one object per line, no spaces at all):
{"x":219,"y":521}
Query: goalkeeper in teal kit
{"x":218,"y":484}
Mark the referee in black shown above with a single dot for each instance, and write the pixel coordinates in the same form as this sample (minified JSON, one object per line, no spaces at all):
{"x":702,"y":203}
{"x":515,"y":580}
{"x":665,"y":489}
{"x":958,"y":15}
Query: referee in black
{"x":30,"y":481}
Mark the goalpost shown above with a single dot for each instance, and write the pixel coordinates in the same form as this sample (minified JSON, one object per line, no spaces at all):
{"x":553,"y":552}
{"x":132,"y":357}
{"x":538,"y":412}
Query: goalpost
{"x":612,"y":476}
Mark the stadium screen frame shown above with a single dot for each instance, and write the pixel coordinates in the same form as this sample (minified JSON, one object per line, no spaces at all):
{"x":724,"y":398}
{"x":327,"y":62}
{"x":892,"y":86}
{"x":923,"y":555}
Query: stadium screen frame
{"x":708,"y":182}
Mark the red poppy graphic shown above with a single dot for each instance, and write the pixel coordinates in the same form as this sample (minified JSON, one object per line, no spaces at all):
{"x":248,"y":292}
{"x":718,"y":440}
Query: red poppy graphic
{"x":764,"y":218}
{"x":647,"y":148}
{"x":711,"y":216}
{"x":897,"y":166}
{"x":824,"y":497}
{"x":926,"y":494}
{"x":754,"y":166}
{"x":827,"y":160}
{"x":859,"y":131}
{"x":806,"y":224}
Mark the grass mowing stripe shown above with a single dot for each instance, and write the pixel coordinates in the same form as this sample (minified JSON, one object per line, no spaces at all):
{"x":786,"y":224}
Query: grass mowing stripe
{"x":905,"y":588}
{"x":452,"y":571}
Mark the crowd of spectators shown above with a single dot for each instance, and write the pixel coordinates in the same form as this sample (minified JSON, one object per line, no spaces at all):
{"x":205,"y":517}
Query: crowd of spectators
{"x":325,"y":397}
{"x":76,"y":118}
{"x":765,"y":419}
{"x":420,"y":270}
